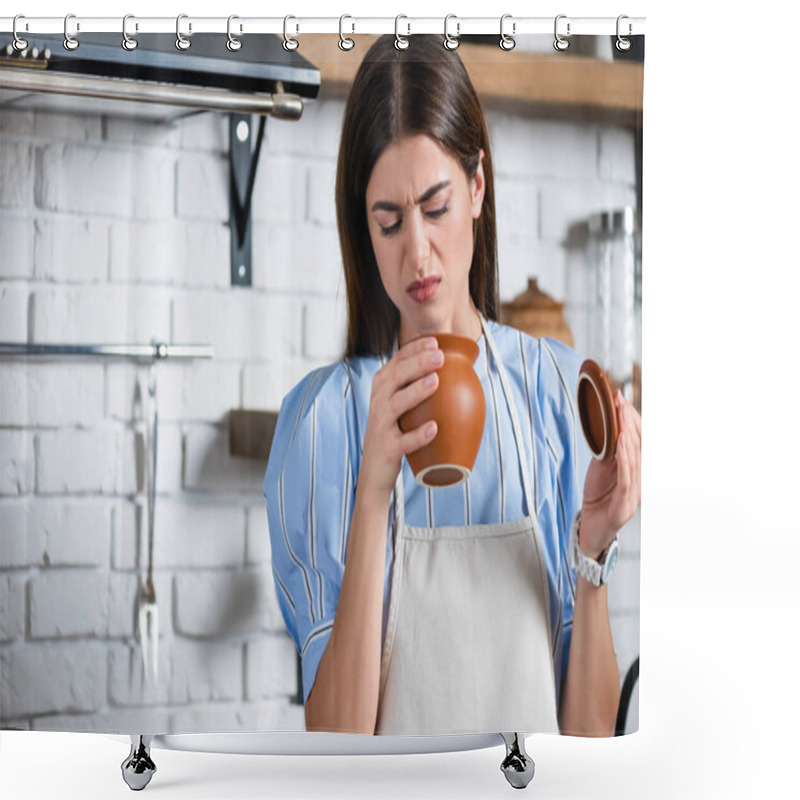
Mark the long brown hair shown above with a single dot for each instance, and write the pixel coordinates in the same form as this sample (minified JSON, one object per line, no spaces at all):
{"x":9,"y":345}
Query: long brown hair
{"x":424,"y":89}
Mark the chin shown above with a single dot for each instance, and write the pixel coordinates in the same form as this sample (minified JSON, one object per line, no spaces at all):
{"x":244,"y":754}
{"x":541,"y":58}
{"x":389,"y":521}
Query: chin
{"x":427,"y":320}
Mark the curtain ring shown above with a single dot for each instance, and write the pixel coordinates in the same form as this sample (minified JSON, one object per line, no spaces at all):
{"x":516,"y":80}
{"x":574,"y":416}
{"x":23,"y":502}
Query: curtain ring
{"x":128,"y":42}
{"x":289,"y":42}
{"x":182,"y":43}
{"x":70,"y":42}
{"x":507,"y":42}
{"x":623,"y":44}
{"x":400,"y":42}
{"x":345,"y":43}
{"x":560,"y":43}
{"x":451,"y":42}
{"x":20,"y":44}
{"x":233,"y":44}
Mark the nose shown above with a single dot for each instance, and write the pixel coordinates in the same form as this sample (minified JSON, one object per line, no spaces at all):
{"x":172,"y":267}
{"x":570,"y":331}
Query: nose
{"x":418,"y":246}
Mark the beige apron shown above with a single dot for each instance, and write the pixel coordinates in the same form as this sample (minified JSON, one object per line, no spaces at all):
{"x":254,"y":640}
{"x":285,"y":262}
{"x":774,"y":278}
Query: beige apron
{"x":468,"y":641}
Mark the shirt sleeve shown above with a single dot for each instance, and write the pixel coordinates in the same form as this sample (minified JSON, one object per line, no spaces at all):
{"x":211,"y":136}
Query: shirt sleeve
{"x":559,"y":366}
{"x":309,"y":492}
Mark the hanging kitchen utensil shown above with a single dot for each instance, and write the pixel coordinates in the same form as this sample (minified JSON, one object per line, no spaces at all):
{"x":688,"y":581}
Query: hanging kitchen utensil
{"x":148,"y":609}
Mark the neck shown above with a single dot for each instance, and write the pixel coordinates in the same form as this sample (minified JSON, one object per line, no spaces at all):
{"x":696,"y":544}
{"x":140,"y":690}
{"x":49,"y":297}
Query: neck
{"x":468,"y":325}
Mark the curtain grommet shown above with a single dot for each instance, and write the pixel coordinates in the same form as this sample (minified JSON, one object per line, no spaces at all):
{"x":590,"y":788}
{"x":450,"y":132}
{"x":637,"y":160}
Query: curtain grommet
{"x":451,"y":42}
{"x":289,"y":42}
{"x":560,"y":43}
{"x":233,"y":44}
{"x":401,"y":42}
{"x":20,"y":44}
{"x":345,"y":42}
{"x":622,"y":44}
{"x":70,"y":42}
{"x":507,"y":42}
{"x":181,"y":42}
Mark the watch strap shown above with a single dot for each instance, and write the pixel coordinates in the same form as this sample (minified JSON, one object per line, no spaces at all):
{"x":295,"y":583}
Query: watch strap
{"x":590,"y":568}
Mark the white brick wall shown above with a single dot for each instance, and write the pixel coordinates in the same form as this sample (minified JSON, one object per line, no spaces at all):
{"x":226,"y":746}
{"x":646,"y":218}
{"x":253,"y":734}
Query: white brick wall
{"x":12,"y":607}
{"x":213,"y":603}
{"x":116,"y":231}
{"x":16,"y":188}
{"x":16,"y":470}
{"x":16,"y":255}
{"x":29,"y":389}
{"x":14,"y":303}
{"x":71,"y":250}
{"x":67,"y":676}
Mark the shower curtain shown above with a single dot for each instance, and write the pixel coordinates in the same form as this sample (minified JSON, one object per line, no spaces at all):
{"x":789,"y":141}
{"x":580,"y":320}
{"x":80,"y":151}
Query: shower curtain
{"x":117,"y":229}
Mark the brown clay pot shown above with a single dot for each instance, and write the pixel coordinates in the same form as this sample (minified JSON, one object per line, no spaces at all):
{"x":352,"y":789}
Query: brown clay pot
{"x":459,"y":409}
{"x":597,"y":411}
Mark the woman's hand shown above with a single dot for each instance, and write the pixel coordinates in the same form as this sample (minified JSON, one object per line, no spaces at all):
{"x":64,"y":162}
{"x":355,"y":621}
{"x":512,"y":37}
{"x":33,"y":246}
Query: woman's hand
{"x":613,"y":491}
{"x":400,"y":385}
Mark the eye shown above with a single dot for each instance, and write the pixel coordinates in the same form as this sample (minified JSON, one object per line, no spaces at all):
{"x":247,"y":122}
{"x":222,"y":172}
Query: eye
{"x":437,"y":212}
{"x":389,"y":230}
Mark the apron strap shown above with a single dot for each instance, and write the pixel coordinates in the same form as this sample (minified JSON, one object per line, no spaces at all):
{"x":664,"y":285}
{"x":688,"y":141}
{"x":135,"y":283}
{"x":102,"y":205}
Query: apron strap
{"x":514,"y":417}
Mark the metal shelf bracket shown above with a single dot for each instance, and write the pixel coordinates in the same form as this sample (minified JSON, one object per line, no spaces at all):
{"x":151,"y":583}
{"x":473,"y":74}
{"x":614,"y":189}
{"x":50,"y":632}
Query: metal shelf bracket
{"x":243,"y":161}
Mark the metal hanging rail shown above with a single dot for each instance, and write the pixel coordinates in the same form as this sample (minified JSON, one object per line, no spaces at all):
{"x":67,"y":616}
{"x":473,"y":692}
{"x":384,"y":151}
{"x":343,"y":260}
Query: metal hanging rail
{"x":156,"y":351}
{"x":279,"y":106}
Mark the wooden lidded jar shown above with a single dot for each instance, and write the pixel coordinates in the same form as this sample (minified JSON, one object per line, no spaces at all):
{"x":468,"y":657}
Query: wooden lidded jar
{"x":459,"y":409}
{"x":536,"y":313}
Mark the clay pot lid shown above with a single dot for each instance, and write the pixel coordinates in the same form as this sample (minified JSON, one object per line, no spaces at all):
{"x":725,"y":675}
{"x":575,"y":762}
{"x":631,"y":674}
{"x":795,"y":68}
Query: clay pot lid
{"x":597,"y":412}
{"x":533,"y":298}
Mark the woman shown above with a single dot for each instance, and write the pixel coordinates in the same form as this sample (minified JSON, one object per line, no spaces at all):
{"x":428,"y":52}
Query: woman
{"x":456,"y":610}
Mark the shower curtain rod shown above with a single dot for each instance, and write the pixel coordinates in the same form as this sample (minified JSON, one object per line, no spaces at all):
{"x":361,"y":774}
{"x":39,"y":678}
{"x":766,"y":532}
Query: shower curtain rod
{"x":294,"y":26}
{"x":156,"y":351}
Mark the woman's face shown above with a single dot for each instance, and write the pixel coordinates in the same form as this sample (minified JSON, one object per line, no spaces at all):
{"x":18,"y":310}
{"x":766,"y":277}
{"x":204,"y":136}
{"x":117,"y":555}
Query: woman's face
{"x":420,"y":210}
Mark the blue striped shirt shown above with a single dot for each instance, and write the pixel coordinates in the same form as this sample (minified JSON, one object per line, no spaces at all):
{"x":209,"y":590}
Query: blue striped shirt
{"x":309,"y":485}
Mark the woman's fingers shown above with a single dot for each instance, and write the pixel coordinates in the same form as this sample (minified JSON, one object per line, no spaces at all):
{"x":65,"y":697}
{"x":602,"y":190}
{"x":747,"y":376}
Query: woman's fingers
{"x":633,"y":428}
{"x":415,"y":360}
{"x":419,"y":437}
{"x":413,"y":394}
{"x":626,"y":413}
{"x":628,"y":489}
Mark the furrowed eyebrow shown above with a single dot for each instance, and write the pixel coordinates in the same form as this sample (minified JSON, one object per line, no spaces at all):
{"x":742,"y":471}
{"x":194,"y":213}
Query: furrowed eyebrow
{"x":385,"y":205}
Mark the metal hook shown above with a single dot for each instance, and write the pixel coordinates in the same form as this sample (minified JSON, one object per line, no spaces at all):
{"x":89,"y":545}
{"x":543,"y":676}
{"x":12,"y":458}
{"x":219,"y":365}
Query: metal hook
{"x":506,"y":42}
{"x":623,"y":44}
{"x":400,"y":42}
{"x":451,"y":42}
{"x":20,"y":44}
{"x":128,"y":42}
{"x":70,"y":42}
{"x":289,"y":42}
{"x":233,"y":44}
{"x":560,"y":42}
{"x":182,"y":43}
{"x":345,"y":43}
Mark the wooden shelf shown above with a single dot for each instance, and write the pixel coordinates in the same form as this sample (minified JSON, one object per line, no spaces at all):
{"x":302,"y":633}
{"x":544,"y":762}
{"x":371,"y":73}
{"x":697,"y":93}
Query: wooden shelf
{"x":553,"y":86}
{"x":250,"y":433}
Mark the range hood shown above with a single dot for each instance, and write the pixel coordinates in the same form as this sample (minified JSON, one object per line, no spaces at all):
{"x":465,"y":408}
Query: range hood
{"x":156,"y":80}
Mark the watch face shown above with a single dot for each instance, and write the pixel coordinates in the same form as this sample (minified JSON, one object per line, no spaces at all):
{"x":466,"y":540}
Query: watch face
{"x":611,"y":561}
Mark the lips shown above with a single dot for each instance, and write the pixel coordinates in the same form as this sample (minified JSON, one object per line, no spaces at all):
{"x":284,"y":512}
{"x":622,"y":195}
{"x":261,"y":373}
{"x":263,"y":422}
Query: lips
{"x":423,"y":290}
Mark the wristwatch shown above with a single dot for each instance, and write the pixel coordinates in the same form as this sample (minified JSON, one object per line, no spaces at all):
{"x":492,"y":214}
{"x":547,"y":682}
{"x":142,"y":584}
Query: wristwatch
{"x":596,"y":572}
